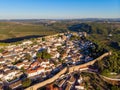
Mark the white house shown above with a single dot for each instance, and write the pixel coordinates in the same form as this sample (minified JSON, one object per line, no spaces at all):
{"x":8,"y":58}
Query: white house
{"x":35,"y":72}
{"x":48,"y":50}
{"x":10,"y":74}
{"x":1,"y":75}
{"x":27,"y":42}
{"x":44,"y":63}
{"x":19,"y":65}
{"x":57,"y":44}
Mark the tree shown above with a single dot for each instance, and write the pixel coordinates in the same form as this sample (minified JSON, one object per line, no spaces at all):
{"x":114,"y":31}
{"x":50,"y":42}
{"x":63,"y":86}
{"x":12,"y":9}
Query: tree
{"x":28,"y":57}
{"x":115,"y":88}
{"x":43,"y":54}
{"x":26,"y":82}
{"x":39,"y":54}
{"x":43,"y":39}
{"x":22,"y":69}
{"x":1,"y":50}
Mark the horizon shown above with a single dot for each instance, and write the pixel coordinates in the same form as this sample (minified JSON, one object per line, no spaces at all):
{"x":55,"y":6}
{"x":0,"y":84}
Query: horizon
{"x":57,"y":18}
{"x":59,"y":9}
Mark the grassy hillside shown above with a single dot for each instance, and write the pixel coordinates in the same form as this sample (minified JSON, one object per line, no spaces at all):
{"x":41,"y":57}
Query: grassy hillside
{"x":94,"y":82}
{"x":15,"y":29}
{"x":105,"y":35}
{"x":100,"y":35}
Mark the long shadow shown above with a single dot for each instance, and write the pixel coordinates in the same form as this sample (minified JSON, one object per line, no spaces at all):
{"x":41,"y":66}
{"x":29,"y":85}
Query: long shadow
{"x":12,"y":40}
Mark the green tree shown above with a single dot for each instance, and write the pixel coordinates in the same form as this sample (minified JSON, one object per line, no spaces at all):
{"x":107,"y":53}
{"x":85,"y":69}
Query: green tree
{"x":43,"y":54}
{"x":28,"y":57}
{"x":22,"y":69}
{"x":43,"y":39}
{"x":1,"y":50}
{"x":39,"y":54}
{"x":26,"y":82}
{"x":115,"y":88}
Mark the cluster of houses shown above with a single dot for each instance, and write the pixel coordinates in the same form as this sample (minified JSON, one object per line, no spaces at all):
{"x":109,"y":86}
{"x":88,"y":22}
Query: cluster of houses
{"x":71,"y":81}
{"x":20,"y":59}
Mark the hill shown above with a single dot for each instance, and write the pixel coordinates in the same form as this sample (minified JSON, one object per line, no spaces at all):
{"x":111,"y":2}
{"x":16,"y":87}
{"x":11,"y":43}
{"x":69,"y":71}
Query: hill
{"x":20,"y":29}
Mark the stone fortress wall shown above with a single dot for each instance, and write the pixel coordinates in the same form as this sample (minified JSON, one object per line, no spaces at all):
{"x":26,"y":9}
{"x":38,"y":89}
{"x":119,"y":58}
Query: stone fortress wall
{"x":70,"y":69}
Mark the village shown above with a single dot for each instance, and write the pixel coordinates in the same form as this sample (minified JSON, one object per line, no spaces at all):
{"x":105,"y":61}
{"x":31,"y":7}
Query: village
{"x":42,"y":58}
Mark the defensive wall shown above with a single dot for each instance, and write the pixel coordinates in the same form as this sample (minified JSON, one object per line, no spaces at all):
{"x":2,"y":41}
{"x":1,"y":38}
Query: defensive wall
{"x":70,"y":69}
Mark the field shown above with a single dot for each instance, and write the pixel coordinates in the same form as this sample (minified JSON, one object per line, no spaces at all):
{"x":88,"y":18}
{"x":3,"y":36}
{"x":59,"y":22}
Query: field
{"x":18,"y":29}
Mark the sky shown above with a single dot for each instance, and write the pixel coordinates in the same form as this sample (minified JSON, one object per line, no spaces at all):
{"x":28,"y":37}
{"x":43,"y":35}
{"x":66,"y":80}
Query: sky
{"x":59,"y":9}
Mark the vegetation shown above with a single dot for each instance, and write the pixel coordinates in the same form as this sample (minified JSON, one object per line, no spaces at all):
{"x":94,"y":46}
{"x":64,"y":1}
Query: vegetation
{"x":26,"y":82}
{"x":109,"y":64}
{"x":21,"y":29}
{"x":3,"y":44}
{"x":115,"y":88}
{"x":100,"y":36}
{"x":16,"y":62}
{"x":1,"y":50}
{"x":28,"y":57}
{"x":93,"y":81}
{"x":107,"y":37}
{"x":74,"y":38}
{"x":80,"y":28}
{"x":43,"y":54}
{"x":43,"y":39}
{"x":23,"y":70}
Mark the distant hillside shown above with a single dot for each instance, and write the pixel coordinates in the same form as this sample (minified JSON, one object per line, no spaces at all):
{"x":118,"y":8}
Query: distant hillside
{"x":81,"y":27}
{"x":101,"y":31}
{"x":98,"y":30}
{"x":19,"y":29}
{"x":105,"y":35}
